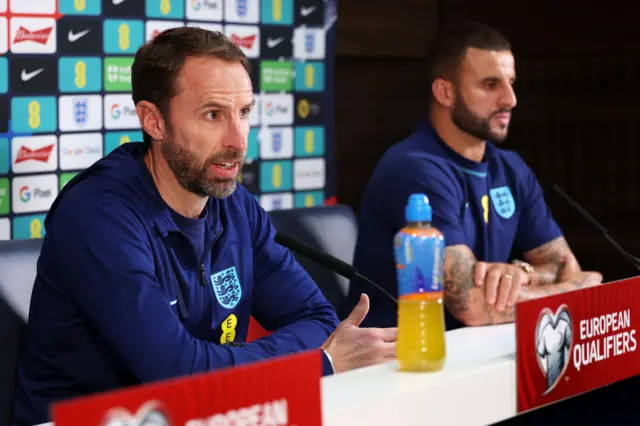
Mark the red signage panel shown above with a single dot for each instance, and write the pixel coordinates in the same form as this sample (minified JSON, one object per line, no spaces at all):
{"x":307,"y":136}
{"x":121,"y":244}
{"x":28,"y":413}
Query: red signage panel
{"x":571,"y":343}
{"x":281,"y":391}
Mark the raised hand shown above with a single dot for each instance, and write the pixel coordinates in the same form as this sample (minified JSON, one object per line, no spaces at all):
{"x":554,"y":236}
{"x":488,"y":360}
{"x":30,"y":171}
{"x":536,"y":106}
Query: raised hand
{"x":351,"y":347}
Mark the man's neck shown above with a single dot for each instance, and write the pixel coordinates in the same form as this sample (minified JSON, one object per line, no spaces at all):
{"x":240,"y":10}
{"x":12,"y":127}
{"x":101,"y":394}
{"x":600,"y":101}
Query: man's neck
{"x":461,"y":142}
{"x":179,"y":199}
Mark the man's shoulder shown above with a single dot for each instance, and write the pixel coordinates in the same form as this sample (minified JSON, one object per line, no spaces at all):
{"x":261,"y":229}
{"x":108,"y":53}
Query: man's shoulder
{"x":417,"y":156}
{"x":415,"y":164}
{"x":94,"y":201}
{"x":96,"y":192}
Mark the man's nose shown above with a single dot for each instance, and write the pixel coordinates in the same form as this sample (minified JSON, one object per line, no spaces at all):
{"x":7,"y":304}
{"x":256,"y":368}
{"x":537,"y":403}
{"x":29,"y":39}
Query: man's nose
{"x":236,"y":138}
{"x":509,"y":99}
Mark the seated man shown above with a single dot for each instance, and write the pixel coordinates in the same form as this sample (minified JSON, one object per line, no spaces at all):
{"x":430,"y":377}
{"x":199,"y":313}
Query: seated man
{"x":485,"y":200}
{"x":154,"y":261}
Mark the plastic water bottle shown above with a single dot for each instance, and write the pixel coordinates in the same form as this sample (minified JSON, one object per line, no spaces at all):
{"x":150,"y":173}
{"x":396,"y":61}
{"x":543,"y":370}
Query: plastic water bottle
{"x":419,"y":256}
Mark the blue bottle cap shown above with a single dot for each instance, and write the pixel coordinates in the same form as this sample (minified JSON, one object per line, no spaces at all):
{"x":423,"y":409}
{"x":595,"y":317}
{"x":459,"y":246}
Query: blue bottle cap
{"x":418,"y":209}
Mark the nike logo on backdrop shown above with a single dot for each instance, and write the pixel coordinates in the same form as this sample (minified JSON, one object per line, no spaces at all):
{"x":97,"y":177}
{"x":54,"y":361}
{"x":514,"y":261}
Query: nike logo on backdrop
{"x":306,"y":11}
{"x":26,"y":76}
{"x":117,"y":2}
{"x":77,"y":36}
{"x":273,"y":42}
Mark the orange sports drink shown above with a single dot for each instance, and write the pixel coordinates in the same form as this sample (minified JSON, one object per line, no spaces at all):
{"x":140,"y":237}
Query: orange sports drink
{"x":419,"y":256}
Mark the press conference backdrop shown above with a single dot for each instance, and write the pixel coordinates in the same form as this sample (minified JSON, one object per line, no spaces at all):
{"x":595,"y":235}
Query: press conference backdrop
{"x":65,"y":82}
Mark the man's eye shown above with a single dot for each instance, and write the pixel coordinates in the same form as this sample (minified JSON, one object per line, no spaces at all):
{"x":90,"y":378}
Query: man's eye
{"x":245,"y":112}
{"x":212,"y":115}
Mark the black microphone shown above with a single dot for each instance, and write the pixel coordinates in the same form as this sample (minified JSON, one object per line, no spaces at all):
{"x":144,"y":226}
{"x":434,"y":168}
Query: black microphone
{"x":582,"y":212}
{"x":325,"y":259}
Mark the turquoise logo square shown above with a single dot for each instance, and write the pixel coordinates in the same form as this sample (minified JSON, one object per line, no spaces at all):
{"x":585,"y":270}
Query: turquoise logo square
{"x":34,"y":114}
{"x":4,"y":156}
{"x":123,"y":36}
{"x":275,"y":176}
{"x":112,"y":140}
{"x":308,"y":199}
{"x":277,"y":12}
{"x":227,"y":287}
{"x":167,"y":9}
{"x":80,"y":74}
{"x":80,"y":7}
{"x":309,"y":76}
{"x":309,"y":141}
{"x":26,"y":227}
{"x":252,"y":148}
{"x":4,"y":75}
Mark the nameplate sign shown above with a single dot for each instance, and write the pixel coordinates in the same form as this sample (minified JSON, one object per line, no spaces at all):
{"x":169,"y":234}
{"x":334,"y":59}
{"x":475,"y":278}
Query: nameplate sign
{"x":571,"y":343}
{"x":281,"y":391}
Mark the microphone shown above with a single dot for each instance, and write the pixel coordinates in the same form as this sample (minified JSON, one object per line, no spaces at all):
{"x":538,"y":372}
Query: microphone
{"x":582,"y":212}
{"x":325,"y":259}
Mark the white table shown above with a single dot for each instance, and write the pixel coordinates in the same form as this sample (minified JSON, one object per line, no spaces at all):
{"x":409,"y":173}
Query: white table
{"x":476,"y":387}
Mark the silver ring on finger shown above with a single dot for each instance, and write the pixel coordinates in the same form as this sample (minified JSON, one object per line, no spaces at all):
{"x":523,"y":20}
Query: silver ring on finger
{"x":508,"y":276}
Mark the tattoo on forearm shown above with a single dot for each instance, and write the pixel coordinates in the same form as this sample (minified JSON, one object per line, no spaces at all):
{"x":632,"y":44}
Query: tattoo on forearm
{"x":458,"y":280}
{"x":552,"y":252}
{"x":552,"y":258}
{"x":496,"y":317}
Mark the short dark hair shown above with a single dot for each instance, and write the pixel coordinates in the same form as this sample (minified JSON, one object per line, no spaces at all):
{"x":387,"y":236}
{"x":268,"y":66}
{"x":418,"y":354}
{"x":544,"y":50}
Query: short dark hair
{"x":158,"y":62}
{"x":451,"y":43}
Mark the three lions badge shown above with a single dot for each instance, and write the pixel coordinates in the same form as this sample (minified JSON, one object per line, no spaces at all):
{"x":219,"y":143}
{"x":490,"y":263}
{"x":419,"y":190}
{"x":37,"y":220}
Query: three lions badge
{"x":503,"y":201}
{"x":227,"y":288}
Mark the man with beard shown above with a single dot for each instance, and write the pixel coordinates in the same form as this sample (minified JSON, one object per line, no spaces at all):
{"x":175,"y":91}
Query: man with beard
{"x":502,"y":243}
{"x":154,"y":258}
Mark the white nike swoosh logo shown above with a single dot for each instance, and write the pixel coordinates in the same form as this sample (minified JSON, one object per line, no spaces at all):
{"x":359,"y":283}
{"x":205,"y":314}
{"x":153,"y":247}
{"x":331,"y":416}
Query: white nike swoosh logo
{"x":117,"y":2}
{"x":273,"y":42}
{"x":77,"y":36}
{"x":306,"y":11}
{"x":26,"y":76}
{"x":174,"y":302}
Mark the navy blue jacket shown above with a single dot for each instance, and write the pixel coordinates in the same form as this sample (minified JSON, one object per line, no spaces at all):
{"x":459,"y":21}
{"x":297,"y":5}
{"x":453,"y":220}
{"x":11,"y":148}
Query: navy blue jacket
{"x":123,"y":297}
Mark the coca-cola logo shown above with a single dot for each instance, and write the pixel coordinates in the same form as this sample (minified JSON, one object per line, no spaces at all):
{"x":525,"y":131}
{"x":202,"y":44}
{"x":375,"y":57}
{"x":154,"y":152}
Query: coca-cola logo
{"x":41,"y":154}
{"x":39,"y":36}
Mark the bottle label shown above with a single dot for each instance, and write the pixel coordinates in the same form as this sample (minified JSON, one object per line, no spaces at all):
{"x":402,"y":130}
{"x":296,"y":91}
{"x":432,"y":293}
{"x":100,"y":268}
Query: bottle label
{"x":419,"y":262}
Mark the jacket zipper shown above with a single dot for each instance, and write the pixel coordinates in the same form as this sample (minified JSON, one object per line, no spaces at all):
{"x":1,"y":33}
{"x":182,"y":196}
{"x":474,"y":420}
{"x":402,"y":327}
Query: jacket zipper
{"x":203,"y":279}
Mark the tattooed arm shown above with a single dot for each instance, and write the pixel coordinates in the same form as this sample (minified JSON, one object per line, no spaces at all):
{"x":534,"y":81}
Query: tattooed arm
{"x":554,"y":262}
{"x":475,"y":306}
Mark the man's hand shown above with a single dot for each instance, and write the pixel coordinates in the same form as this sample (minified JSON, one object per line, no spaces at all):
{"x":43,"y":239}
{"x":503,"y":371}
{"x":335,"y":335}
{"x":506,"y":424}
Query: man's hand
{"x":501,"y":281}
{"x":351,"y":347}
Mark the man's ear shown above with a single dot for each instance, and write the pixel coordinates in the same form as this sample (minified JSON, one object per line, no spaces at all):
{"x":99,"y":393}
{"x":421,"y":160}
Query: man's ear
{"x":151,"y":120}
{"x":443,"y":92}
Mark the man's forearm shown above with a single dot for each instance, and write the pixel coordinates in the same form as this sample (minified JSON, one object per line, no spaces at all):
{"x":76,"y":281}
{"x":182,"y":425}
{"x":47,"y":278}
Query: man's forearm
{"x":482,"y":313}
{"x":468,"y":303}
{"x":552,"y":262}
